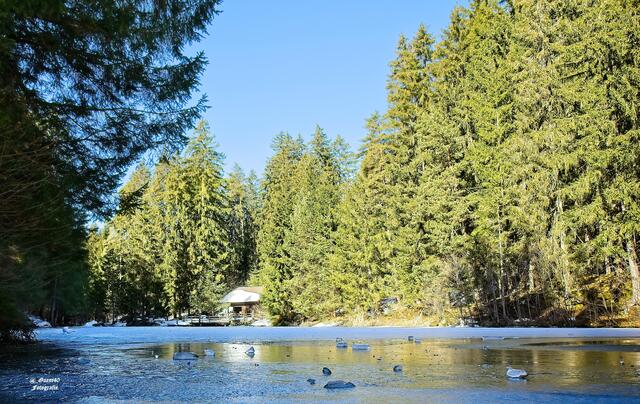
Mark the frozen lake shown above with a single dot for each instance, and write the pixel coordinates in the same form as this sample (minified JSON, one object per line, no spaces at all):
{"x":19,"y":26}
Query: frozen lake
{"x":107,"y":364}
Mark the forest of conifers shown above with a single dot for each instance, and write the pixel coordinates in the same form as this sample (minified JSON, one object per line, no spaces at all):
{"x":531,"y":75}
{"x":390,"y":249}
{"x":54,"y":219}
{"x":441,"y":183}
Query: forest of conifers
{"x":501,"y":184}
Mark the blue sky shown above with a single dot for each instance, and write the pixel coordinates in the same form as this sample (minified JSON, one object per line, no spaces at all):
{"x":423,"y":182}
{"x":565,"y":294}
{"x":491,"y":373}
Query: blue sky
{"x":289,"y":65}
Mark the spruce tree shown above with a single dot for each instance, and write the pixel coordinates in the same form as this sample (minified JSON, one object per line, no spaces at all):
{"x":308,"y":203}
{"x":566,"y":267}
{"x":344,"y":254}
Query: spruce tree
{"x":319,"y":177}
{"x":409,"y":92}
{"x":360,"y":262}
{"x":201,"y":215}
{"x":278,"y":189}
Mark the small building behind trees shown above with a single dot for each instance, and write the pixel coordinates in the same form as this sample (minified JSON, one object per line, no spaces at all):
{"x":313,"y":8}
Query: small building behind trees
{"x":244,"y":303}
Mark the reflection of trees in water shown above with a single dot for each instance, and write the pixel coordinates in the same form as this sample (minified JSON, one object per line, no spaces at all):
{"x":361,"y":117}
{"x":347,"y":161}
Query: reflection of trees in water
{"x":443,"y":363}
{"x":559,"y":366}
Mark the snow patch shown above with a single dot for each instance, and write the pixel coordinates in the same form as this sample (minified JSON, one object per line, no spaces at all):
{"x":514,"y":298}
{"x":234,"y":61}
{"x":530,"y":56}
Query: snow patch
{"x":326,"y":325}
{"x":38,"y":322}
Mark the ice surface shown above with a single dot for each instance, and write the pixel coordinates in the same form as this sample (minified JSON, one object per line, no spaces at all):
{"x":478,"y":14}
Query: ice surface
{"x":115,"y":335}
{"x":134,"y":364}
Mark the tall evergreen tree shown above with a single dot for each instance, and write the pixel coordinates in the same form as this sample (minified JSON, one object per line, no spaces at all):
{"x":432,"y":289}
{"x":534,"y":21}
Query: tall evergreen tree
{"x":409,"y":91}
{"x":441,"y":206}
{"x":200,"y":220}
{"x":360,"y":263}
{"x":318,"y":180}
{"x":276,"y":267}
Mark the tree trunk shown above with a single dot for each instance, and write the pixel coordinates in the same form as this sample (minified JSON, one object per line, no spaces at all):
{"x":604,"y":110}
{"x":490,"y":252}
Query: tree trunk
{"x":501,"y":272}
{"x":563,"y":248}
{"x":496,"y":315}
{"x":633,"y":269}
{"x":53,"y":302}
{"x":531,"y":272}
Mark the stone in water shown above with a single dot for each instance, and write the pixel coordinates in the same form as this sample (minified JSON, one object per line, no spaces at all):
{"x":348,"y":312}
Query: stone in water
{"x":184,"y":356}
{"x":516,"y":373}
{"x":339,"y":384}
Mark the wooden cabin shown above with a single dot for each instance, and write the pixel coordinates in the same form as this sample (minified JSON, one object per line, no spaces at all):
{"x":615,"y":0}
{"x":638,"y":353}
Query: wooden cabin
{"x":244,"y":303}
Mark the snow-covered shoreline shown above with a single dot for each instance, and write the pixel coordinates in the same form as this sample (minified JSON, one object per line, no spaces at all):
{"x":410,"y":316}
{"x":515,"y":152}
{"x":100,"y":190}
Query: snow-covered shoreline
{"x":108,"y":335}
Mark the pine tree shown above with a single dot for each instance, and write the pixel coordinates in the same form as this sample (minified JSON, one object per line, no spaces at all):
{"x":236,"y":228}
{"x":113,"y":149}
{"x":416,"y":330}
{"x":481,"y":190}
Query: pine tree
{"x":541,"y":147}
{"x":409,"y":92}
{"x":302,"y":189}
{"x":98,"y":281}
{"x":276,"y":266}
{"x":201,"y":215}
{"x":441,"y":205}
{"x":489,"y":103}
{"x":318,"y":180}
{"x":360,"y":263}
{"x":501,"y":183}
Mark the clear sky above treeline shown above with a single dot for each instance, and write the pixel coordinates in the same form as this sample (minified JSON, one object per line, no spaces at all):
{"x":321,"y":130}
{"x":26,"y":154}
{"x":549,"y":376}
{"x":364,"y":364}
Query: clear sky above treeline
{"x":288,"y":65}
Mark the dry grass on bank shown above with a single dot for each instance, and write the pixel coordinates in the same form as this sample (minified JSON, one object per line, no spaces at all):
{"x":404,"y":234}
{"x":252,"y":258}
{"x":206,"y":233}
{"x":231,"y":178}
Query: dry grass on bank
{"x":398,"y":318}
{"x":413,"y":318}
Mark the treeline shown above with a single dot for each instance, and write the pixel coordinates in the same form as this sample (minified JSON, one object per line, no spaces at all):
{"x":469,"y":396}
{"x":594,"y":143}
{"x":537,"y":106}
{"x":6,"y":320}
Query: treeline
{"x":182,"y":237}
{"x":185,"y":234}
{"x":502,"y":182}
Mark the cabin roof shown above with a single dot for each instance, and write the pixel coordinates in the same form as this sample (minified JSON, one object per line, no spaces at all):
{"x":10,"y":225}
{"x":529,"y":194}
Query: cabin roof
{"x":244,"y":294}
{"x":252,"y":289}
